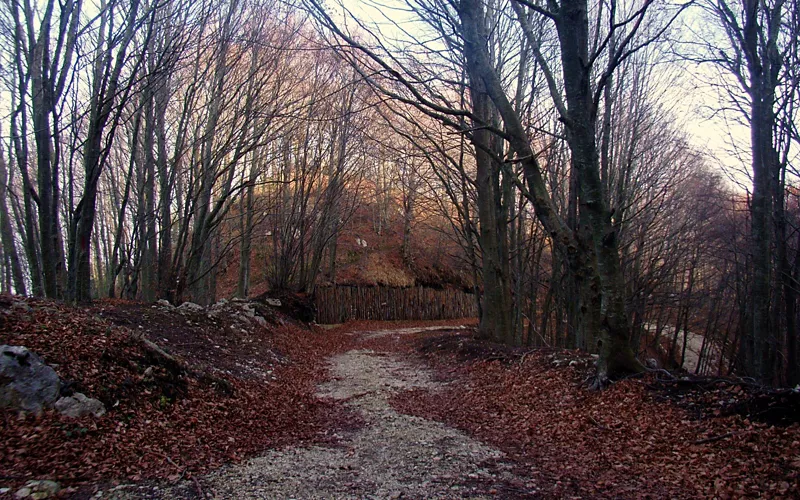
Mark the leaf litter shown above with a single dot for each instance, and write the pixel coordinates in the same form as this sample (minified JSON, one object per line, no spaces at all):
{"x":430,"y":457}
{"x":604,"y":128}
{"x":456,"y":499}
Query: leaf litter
{"x":283,"y":409}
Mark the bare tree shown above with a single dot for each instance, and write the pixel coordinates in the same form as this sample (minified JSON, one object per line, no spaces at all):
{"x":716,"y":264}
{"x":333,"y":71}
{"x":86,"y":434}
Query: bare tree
{"x":754,"y":46}
{"x":10,"y":255}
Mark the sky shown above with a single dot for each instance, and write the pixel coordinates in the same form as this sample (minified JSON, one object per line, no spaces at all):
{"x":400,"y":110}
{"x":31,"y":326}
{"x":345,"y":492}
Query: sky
{"x":692,"y":100}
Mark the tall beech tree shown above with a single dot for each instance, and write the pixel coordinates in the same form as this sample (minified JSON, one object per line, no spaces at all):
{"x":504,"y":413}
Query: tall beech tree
{"x":591,"y":245}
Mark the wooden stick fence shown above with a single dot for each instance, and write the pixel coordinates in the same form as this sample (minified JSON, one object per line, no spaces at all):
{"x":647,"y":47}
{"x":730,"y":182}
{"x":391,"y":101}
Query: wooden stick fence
{"x":337,"y":304}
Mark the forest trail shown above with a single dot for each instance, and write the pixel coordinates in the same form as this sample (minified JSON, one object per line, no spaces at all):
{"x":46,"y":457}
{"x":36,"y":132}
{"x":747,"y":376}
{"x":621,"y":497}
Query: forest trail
{"x":387,"y":455}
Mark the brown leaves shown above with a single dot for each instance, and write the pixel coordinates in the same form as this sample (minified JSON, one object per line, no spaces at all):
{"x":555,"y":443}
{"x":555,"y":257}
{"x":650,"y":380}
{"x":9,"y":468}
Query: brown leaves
{"x":620,"y":442}
{"x":171,"y":424}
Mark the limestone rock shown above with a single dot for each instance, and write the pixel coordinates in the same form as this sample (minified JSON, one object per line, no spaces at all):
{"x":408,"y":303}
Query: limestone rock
{"x":79,"y":405}
{"x":147,"y":376}
{"x":164,"y":304}
{"x":249,"y":311}
{"x":21,"y":306}
{"x":273,"y":302}
{"x":38,"y":490}
{"x":26,"y":382}
{"x":190,"y":307}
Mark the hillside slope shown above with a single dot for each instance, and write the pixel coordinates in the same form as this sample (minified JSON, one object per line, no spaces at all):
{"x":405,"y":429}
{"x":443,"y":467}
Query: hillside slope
{"x":367,"y":257}
{"x":243,"y":382}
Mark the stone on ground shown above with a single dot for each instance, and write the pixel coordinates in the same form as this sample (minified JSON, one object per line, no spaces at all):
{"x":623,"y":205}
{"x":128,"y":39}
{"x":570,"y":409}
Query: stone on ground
{"x":26,"y":382}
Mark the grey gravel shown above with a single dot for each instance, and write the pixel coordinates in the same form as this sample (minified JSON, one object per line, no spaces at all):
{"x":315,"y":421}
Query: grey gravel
{"x":391,"y":456}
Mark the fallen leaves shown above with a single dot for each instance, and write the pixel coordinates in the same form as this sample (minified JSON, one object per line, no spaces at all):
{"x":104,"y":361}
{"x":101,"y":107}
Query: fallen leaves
{"x":622,"y":442}
{"x":165,"y":424}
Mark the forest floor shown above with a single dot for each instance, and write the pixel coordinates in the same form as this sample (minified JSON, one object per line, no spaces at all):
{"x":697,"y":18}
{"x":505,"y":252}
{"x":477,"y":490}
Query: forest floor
{"x":378,"y":410}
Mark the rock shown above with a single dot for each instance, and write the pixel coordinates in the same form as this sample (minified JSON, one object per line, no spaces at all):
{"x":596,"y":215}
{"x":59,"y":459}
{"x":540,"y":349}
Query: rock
{"x":38,"y":490}
{"x":79,"y":405}
{"x":190,"y":307}
{"x":651,"y":363}
{"x":164,"y":304}
{"x":273,"y":302}
{"x":23,"y":493}
{"x":26,"y":383}
{"x":147,"y":376}
{"x":215,"y":309}
{"x":21,"y":306}
{"x":249,"y":311}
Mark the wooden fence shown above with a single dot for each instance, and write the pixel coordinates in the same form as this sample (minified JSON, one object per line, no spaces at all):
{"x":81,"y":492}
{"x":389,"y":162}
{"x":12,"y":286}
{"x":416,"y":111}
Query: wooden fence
{"x":337,"y":304}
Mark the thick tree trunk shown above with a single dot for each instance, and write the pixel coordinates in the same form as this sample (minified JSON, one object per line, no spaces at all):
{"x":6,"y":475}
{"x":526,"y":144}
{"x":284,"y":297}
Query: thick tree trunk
{"x":42,"y":104}
{"x":80,"y":270}
{"x":496,"y":318}
{"x":793,"y":370}
{"x":495,"y":322}
{"x":761,"y":239}
{"x":606,"y":314}
{"x":612,"y":339}
{"x":763,"y":68}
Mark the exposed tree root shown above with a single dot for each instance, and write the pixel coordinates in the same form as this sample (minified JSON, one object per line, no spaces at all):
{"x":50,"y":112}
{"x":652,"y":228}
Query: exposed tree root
{"x":597,"y":381}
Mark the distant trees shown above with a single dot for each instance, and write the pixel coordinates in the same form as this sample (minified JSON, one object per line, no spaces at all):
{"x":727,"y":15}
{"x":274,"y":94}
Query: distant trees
{"x":10,"y":258}
{"x":317,"y":171}
{"x":754,"y":47}
{"x":174,"y":121}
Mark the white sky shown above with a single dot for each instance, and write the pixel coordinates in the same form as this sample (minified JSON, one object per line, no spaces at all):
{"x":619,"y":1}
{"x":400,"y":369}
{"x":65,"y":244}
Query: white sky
{"x":691,"y":100}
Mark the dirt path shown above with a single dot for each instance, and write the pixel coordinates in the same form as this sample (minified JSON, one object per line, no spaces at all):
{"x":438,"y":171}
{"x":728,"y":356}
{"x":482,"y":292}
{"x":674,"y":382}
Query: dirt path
{"x":694,"y":344}
{"x":390,"y":456}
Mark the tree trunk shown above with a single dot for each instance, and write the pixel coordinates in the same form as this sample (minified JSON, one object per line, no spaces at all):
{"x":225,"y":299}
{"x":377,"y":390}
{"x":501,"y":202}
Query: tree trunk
{"x":166,"y":285}
{"x":7,"y":232}
{"x":243,"y":287}
{"x":149,"y":280}
{"x":495,"y":320}
{"x":765,"y":164}
{"x":47,"y":172}
{"x":616,"y":355}
{"x":605,"y":314}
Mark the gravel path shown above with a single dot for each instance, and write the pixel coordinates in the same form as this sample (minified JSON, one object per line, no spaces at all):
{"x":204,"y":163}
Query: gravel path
{"x":391,"y":456}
